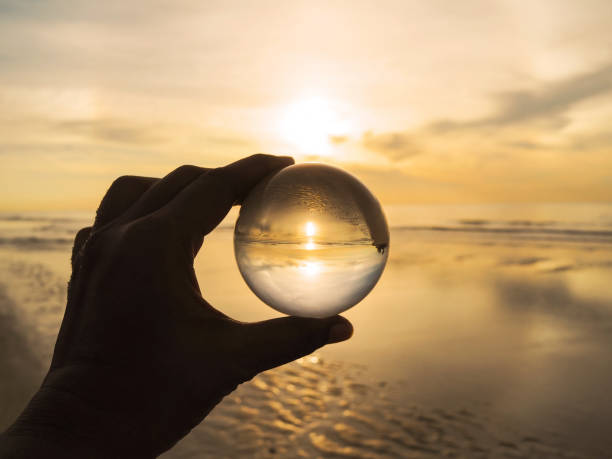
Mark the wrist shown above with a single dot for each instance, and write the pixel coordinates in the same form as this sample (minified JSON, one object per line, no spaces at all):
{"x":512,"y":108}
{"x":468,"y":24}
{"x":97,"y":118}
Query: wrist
{"x":59,"y":423}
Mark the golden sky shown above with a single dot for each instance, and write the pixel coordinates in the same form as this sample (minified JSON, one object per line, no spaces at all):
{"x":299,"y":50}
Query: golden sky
{"x":428,"y":101}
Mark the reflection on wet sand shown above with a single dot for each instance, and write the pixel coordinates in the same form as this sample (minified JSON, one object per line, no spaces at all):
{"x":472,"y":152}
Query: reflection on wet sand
{"x":316,"y":408}
{"x":474,"y":344}
{"x":21,"y":368}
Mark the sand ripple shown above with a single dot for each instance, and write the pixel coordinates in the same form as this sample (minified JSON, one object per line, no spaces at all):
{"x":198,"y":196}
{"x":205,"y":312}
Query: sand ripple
{"x":314,"y":408}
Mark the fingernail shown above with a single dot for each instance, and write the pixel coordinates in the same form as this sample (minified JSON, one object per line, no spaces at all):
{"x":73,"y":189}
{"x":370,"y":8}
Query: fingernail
{"x":340,"y":332}
{"x":287,"y":159}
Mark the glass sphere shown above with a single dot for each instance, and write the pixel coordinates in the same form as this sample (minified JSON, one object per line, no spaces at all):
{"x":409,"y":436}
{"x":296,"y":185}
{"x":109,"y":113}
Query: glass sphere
{"x":311,"y":240}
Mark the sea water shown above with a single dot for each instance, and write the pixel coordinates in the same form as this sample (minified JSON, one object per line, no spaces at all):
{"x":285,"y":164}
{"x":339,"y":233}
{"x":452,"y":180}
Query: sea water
{"x":310,"y":279}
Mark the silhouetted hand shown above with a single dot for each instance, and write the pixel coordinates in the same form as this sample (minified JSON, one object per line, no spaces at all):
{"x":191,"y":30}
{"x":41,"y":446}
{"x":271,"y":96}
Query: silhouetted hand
{"x":141,"y":358}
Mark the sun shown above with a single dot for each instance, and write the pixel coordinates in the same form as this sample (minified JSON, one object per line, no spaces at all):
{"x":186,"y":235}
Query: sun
{"x":310,"y":229}
{"x":309,"y":122}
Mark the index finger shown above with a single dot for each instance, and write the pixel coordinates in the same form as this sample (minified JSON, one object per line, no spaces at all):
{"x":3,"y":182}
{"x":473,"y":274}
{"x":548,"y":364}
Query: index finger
{"x":201,"y":206}
{"x":241,"y":176}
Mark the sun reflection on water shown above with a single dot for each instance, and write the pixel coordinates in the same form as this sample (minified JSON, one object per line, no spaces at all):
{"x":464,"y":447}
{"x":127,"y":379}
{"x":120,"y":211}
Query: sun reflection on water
{"x":311,"y":268}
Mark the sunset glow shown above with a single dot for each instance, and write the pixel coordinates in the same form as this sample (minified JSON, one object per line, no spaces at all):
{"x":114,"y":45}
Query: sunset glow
{"x":197,"y":195}
{"x":407,"y":96}
{"x":309,"y":123}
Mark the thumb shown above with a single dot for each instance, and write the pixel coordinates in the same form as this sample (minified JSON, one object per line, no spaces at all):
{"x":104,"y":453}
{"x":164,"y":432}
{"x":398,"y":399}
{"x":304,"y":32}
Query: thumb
{"x":275,"y":342}
{"x":79,"y":241}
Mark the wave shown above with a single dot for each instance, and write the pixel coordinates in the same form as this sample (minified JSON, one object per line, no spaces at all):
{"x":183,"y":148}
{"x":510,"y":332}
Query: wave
{"x":529,"y":223}
{"x":27,"y":218}
{"x":556,"y":233}
{"x":57,"y":229}
{"x":35,"y":242}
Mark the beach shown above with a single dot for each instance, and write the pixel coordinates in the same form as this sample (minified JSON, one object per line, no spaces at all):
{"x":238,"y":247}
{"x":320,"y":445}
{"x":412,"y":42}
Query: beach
{"x":488,"y":335}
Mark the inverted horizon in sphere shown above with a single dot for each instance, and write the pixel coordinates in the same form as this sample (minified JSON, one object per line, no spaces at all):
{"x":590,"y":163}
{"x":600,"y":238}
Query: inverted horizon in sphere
{"x":311,"y":241}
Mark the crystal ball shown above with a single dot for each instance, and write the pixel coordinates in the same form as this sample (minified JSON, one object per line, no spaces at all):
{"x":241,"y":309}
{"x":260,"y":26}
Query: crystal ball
{"x":311,"y":240}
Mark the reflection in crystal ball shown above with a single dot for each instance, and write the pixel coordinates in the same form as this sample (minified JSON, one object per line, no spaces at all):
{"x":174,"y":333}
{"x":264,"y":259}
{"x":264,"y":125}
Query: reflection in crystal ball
{"x":311,"y":240}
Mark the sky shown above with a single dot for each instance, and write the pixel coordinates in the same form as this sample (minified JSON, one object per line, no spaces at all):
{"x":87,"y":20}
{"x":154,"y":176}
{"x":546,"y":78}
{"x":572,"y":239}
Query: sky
{"x":425,"y":102}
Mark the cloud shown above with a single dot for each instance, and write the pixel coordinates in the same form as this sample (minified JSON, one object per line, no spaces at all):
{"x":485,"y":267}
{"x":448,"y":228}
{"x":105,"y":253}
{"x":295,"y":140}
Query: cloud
{"x":112,"y":130}
{"x":126,"y":132}
{"x":397,"y":185}
{"x":395,"y":145}
{"x":551,"y":100}
{"x":39,"y":133}
{"x":522,"y":261}
{"x":601,"y":139}
{"x":338,"y":139}
{"x":535,"y":111}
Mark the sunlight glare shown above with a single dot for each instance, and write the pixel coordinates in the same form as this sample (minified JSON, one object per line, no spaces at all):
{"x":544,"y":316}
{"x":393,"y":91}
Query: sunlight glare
{"x":311,"y":229}
{"x":308,"y":124}
{"x":311,"y":268}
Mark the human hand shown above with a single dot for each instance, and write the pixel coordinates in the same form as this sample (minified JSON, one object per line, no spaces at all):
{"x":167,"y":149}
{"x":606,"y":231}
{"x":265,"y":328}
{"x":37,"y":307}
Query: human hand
{"x":141,"y":358}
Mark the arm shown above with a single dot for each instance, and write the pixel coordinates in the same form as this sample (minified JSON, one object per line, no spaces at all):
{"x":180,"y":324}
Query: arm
{"x":141,"y":358}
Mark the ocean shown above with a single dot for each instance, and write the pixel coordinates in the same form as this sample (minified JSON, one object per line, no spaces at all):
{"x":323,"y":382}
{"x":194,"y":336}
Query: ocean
{"x":488,"y":335}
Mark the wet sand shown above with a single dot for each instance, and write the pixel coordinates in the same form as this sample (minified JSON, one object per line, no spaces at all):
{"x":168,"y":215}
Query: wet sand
{"x":315,"y":408}
{"x":474,"y":344}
